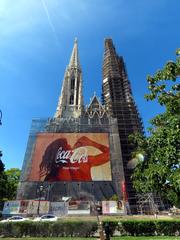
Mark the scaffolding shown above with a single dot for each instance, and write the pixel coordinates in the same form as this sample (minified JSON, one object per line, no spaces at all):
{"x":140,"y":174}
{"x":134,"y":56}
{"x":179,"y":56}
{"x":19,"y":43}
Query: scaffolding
{"x":118,"y":99}
{"x":118,"y":116}
{"x":149,"y":204}
{"x":94,"y":119}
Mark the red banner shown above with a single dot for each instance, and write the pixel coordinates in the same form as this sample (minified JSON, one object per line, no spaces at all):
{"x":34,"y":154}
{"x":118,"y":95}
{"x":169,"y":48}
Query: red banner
{"x":71,"y":157}
{"x":123,"y":187}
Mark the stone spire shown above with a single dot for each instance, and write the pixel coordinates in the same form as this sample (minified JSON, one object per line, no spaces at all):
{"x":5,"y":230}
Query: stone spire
{"x":71,"y":100}
{"x":74,"y":60}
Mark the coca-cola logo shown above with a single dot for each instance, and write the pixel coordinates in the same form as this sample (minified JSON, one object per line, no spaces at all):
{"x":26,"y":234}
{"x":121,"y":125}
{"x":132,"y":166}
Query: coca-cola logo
{"x":78,"y":155}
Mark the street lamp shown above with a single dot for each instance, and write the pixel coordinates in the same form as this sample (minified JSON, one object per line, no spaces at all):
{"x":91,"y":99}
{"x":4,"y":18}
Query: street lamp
{"x":40,"y":190}
{"x":100,"y":226}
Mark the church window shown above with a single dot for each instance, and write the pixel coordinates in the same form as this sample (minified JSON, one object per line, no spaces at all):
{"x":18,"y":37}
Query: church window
{"x":71,"y":100}
{"x":77,"y":96}
{"x":72,"y":82}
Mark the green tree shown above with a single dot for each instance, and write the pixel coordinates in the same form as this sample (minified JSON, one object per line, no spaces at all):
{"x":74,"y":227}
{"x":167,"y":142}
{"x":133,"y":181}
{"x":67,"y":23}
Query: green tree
{"x":114,"y":197}
{"x":13,"y":177}
{"x":3,"y":182}
{"x":159,"y":171}
{"x":2,"y":168}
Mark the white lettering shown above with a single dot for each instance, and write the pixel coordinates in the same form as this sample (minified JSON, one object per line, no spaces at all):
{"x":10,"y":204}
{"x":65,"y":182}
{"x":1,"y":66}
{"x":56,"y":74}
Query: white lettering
{"x":78,"y":155}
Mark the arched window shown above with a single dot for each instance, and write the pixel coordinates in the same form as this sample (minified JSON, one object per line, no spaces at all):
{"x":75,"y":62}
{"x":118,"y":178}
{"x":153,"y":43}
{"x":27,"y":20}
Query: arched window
{"x":72,"y":82}
{"x":71,"y":100}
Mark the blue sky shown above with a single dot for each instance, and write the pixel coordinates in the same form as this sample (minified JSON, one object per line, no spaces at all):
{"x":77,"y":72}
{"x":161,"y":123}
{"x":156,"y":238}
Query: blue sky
{"x":36,"y":40}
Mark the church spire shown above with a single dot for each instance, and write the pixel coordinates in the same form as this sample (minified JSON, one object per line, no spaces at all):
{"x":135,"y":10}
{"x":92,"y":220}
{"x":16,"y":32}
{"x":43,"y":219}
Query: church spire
{"x":74,"y":60}
{"x":71,"y":100}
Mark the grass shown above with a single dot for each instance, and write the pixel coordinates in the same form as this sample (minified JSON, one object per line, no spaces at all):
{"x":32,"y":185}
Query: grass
{"x":119,"y":218}
{"x":114,"y":238}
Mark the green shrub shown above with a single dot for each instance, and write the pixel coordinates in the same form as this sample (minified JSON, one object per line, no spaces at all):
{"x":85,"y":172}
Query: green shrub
{"x":144,"y":227}
{"x":168,"y":228}
{"x":139,"y":228}
{"x":58,"y":229}
{"x":113,"y":225}
{"x":88,"y":228}
{"x":150,"y":228}
{"x":48,"y":229}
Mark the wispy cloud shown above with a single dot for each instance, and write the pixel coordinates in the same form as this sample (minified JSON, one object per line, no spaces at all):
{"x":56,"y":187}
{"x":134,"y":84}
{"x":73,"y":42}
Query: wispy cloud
{"x":50,"y":21}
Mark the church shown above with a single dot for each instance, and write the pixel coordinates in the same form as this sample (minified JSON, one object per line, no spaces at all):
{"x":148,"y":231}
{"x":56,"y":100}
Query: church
{"x":83,"y":152}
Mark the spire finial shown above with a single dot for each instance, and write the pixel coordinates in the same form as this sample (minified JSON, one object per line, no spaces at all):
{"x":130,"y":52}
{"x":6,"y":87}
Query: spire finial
{"x":74,"y":60}
{"x":75,"y":40}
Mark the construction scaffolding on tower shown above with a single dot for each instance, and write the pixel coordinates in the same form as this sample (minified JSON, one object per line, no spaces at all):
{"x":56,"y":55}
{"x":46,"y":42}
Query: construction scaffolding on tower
{"x":118,"y":99}
{"x":94,"y":119}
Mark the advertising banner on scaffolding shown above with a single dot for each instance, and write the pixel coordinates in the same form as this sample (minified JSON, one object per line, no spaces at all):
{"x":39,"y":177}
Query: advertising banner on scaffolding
{"x":59,"y":208}
{"x":79,"y":207}
{"x":33,"y":206}
{"x":71,"y":157}
{"x":11,"y":207}
{"x":112,"y":207}
{"x":23,"y":206}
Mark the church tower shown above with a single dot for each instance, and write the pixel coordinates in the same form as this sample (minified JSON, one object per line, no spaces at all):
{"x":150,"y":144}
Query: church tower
{"x":70,"y":102}
{"x":118,"y":99}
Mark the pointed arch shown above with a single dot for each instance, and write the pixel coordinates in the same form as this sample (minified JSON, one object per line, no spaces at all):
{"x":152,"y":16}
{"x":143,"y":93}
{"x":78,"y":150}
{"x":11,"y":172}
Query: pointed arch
{"x":71,"y":99}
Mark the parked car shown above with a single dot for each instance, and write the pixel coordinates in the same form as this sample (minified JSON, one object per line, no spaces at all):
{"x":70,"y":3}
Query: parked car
{"x":15,"y":219}
{"x":47,"y":217}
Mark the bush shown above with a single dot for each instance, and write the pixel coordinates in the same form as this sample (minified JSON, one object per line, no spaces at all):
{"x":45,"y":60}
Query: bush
{"x":88,"y":228}
{"x":112,"y":226}
{"x":139,"y":228}
{"x":145,"y":228}
{"x":48,"y":229}
{"x":169,"y":228}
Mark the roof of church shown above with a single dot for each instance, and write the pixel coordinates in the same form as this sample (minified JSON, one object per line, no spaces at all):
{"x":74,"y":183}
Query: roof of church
{"x":95,"y":102}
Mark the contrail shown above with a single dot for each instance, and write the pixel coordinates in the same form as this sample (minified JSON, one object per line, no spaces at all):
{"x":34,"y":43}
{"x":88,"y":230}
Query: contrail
{"x":49,"y":20}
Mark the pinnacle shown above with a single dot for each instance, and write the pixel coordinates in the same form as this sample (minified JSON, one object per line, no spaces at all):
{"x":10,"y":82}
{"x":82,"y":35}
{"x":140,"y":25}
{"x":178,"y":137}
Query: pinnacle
{"x":74,"y":60}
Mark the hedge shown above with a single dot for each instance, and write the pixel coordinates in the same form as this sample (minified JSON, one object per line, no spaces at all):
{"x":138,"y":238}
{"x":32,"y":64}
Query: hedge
{"x":89,"y":228}
{"x":48,"y":229}
{"x":145,"y":227}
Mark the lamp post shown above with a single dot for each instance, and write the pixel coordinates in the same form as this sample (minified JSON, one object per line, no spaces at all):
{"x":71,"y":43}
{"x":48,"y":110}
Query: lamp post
{"x":40,"y":190}
{"x":48,"y":191}
{"x":100,"y":226}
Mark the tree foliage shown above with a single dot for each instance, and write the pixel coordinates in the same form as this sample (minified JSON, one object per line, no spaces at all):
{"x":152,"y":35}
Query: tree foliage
{"x":9,"y":180}
{"x":13,"y":176}
{"x":160,"y":170}
{"x":3,"y":181}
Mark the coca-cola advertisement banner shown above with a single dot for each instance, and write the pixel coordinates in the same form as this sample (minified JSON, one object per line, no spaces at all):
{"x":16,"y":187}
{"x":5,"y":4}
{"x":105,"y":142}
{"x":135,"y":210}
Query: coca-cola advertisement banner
{"x":71,"y":157}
